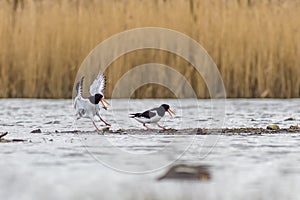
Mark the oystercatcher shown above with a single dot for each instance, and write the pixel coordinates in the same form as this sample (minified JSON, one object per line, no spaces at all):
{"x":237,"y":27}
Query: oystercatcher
{"x":152,"y":116}
{"x":89,"y":107}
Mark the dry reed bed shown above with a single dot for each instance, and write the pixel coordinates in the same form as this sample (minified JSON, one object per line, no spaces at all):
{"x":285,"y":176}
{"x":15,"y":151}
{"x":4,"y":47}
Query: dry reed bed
{"x":255,"y":44}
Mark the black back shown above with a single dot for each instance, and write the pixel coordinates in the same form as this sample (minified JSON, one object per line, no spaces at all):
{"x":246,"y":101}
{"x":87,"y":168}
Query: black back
{"x":147,"y":114}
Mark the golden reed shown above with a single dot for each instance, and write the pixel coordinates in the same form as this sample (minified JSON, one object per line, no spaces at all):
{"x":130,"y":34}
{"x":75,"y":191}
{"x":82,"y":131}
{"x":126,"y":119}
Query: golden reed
{"x":255,"y":43}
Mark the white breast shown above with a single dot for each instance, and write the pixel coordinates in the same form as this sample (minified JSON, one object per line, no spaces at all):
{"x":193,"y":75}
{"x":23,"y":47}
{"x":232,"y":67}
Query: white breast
{"x":90,"y":109}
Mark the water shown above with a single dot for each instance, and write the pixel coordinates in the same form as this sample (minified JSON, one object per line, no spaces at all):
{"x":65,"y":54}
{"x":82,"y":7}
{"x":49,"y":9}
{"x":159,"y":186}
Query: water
{"x":59,"y":164}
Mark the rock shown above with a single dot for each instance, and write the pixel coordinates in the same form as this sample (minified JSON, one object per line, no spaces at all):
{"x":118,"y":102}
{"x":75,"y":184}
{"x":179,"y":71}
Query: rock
{"x":106,"y":129}
{"x":295,"y":127}
{"x":36,"y":131}
{"x":201,"y":131}
{"x":273,"y":127}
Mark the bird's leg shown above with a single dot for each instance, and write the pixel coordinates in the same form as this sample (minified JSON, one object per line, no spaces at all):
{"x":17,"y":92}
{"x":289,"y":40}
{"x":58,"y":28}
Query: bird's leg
{"x":107,"y":124}
{"x":96,"y":126}
{"x":104,"y":107}
{"x":74,"y":121}
{"x":77,"y":117}
{"x":146,"y":126}
{"x":162,"y":127}
{"x":80,"y":113}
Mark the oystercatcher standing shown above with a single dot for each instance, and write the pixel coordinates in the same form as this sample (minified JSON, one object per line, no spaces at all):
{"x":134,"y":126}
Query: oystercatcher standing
{"x":152,"y":116}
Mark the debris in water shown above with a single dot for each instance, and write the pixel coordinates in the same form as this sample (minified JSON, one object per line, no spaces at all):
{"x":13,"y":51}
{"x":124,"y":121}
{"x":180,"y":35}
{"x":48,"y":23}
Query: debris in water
{"x":71,"y":131}
{"x":18,"y":140}
{"x":119,"y":131}
{"x":53,"y":122}
{"x":290,"y":119}
{"x":186,"y":172}
{"x":3,"y":134}
{"x":9,"y":140}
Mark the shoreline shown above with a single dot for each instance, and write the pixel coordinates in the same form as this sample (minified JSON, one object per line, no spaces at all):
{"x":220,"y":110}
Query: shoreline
{"x":191,"y":131}
{"x":175,"y":132}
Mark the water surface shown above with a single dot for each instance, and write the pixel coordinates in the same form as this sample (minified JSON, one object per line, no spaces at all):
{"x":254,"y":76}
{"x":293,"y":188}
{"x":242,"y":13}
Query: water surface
{"x":86,"y":165}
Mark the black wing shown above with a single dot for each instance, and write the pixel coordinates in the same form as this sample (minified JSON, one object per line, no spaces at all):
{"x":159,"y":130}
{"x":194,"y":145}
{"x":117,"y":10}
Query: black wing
{"x":147,"y":114}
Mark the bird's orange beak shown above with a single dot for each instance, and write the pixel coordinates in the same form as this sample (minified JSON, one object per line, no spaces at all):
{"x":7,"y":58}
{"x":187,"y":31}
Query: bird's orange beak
{"x":103,"y":101}
{"x":170,"y":112}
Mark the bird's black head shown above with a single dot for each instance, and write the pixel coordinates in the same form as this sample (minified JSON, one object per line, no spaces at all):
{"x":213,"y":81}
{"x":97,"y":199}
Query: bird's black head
{"x":95,"y":99}
{"x":166,"y":106}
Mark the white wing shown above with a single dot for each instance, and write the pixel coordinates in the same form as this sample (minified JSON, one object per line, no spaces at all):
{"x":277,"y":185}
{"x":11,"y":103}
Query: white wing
{"x":79,"y":87}
{"x":78,"y":91}
{"x":98,"y":85}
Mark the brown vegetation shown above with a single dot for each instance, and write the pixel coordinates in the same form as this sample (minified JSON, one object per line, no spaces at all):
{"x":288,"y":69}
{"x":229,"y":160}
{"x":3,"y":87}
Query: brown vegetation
{"x":255,"y":43}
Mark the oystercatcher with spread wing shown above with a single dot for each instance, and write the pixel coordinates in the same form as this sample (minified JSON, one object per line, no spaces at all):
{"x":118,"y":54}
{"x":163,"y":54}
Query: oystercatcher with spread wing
{"x":89,"y":107}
